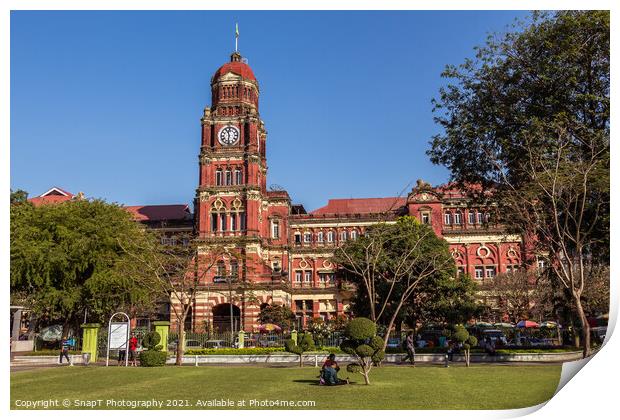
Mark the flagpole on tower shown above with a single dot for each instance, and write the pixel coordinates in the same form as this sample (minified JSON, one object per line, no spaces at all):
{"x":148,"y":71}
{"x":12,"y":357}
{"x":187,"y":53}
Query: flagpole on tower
{"x":236,"y":37}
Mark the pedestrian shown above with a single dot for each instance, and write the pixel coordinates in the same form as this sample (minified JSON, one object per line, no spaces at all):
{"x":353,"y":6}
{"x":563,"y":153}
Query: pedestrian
{"x":64,"y":350}
{"x":410,"y":347}
{"x":133,"y":347}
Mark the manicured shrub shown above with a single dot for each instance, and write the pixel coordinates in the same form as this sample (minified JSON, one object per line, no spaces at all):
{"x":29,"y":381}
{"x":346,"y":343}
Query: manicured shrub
{"x":304,"y":343}
{"x":150,"y":358}
{"x":361,"y":341}
{"x":360,"y":329}
{"x":151,"y":341}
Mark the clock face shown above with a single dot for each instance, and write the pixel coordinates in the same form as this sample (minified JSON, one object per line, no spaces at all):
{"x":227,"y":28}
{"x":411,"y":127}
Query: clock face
{"x":228,"y":135}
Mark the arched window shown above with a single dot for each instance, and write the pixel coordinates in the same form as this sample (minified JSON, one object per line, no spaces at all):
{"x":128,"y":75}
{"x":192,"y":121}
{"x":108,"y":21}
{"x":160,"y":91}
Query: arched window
{"x":319,"y":237}
{"x":343,"y":235}
{"x":228,"y":177}
{"x":233,"y":221}
{"x":354,"y":234}
{"x":472,"y":217}
{"x":238,"y":177}
{"x":457,"y":218}
{"x":307,"y":237}
{"x":448,"y":218}
{"x":223,"y":222}
{"x":330,"y":236}
{"x":218,"y":177}
{"x":221,"y":269}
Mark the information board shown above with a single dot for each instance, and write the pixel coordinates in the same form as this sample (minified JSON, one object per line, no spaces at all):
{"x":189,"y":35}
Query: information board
{"x":118,"y":335}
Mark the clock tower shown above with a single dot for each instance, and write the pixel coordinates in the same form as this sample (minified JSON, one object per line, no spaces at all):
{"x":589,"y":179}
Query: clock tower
{"x":233,"y":207}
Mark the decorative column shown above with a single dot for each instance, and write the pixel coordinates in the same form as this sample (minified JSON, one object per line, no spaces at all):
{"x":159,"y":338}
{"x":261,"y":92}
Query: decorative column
{"x":162,"y":328}
{"x":90,"y":333}
{"x":241,"y":339}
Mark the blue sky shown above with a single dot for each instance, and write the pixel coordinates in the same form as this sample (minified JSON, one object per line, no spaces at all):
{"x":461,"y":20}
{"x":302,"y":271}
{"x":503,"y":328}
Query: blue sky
{"x":109,"y":103}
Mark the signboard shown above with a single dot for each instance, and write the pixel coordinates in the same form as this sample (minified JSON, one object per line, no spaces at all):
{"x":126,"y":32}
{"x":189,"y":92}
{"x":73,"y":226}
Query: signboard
{"x":119,"y":331}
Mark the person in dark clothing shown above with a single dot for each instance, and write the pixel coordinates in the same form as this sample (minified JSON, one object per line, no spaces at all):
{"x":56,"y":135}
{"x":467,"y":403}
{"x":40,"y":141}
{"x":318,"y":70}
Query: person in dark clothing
{"x":410,"y":347}
{"x":64,"y":350}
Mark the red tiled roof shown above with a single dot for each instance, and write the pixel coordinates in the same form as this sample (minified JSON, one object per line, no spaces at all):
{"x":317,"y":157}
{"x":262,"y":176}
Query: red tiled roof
{"x":236,"y":67}
{"x":361,"y":205}
{"x":159,"y":212}
{"x":54,"y":195}
{"x":49,"y":199}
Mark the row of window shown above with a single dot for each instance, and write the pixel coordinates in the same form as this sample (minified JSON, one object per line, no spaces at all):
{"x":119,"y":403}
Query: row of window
{"x":235,"y":92}
{"x":322,"y":237}
{"x":487,"y":272}
{"x":457,"y":218}
{"x":325,"y":279}
{"x":221,"y":222}
{"x":222,"y":274}
{"x":173,"y":241}
{"x":229,"y":177}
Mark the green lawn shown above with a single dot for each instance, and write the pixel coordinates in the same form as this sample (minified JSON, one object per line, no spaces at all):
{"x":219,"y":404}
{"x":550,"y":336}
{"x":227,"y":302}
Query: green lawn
{"x":395,"y":387}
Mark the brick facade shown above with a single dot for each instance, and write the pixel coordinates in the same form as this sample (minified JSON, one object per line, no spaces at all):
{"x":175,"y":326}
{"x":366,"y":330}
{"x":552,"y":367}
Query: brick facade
{"x":281,"y":251}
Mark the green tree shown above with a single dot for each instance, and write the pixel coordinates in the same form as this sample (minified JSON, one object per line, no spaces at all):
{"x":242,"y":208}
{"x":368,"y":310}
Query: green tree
{"x":443,"y":300}
{"x":528,"y":119}
{"x":304,"y":344}
{"x":19,"y":197}
{"x":362,"y":342}
{"x":389,"y":264}
{"x":278,"y":315}
{"x":65,"y":258}
{"x":461,"y":335}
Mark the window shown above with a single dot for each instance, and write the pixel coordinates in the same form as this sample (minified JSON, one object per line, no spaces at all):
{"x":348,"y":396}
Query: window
{"x":479,"y":273}
{"x":234,"y":269}
{"x":490,"y":272}
{"x":242,"y":223}
{"x":472,"y":218}
{"x":354,"y":234}
{"x":322,"y":279}
{"x":223,"y":222}
{"x":512,"y":268}
{"x":479,"y":218}
{"x":238,"y":177}
{"x":541,"y":264}
{"x":218,"y":177}
{"x":228,"y":177}
{"x":214,"y":222}
{"x":185,"y":241}
{"x":275,"y":229}
{"x":447,"y":218}
{"x":319,"y":237}
{"x":297,"y":277}
{"x":221,"y":269}
{"x":426,"y":218}
{"x":460,"y":271}
{"x":298,"y":239}
{"x":307,"y":237}
{"x":343,"y":235}
{"x":307,"y":277}
{"x":330,"y":236}
{"x":233,"y":221}
{"x":487,"y":217}
{"x":457,"y":218}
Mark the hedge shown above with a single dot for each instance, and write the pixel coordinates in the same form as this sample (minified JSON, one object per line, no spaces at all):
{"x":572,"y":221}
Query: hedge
{"x":150,"y":358}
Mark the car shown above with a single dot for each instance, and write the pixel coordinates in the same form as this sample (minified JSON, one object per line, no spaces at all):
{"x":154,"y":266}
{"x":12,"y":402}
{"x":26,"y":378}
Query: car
{"x":393,"y":343}
{"x":496,"y":336}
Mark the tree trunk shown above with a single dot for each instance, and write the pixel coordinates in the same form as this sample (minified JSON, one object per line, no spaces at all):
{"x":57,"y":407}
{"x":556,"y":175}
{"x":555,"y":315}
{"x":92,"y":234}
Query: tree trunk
{"x":585,"y":327}
{"x":467,"y":358}
{"x":301,"y":360}
{"x":365,"y":373}
{"x":181,"y":341}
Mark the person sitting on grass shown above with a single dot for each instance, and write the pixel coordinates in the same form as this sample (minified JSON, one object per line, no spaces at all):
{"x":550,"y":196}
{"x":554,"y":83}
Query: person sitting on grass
{"x":329,"y":372}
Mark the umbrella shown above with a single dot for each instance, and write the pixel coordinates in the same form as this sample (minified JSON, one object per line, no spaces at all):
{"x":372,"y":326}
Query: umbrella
{"x":483,"y":324}
{"x":527,"y":324}
{"x":51,"y":333}
{"x":549,"y":324}
{"x":504,"y":325}
{"x":269,"y":327}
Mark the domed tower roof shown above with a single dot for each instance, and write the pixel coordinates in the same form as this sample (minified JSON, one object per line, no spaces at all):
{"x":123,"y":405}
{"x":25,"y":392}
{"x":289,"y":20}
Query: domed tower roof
{"x":235,"y":66}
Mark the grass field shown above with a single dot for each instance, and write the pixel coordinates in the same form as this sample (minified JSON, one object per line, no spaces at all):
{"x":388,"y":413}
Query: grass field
{"x":395,"y":387}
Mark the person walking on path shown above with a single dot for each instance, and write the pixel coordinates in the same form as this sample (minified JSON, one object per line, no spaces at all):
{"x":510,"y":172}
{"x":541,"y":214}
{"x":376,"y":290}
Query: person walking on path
{"x":64,"y":350}
{"x":410,"y":346}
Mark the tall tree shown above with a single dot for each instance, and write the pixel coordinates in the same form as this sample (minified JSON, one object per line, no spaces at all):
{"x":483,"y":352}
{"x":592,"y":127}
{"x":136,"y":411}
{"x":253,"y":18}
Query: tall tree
{"x":389,"y":263}
{"x":176,"y":273}
{"x":529,"y":117}
{"x":65,"y":257}
{"x":516,"y":292}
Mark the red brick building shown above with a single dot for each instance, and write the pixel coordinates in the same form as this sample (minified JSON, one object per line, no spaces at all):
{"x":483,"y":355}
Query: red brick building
{"x":282,"y":251}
